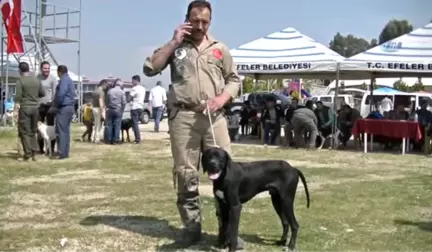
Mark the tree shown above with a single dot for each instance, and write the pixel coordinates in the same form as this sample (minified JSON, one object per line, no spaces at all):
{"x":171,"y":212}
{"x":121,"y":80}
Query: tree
{"x":349,"y":45}
{"x":373,"y":43}
{"x":248,"y":85}
{"x":418,"y":86}
{"x":393,"y":29}
{"x":401,"y":86}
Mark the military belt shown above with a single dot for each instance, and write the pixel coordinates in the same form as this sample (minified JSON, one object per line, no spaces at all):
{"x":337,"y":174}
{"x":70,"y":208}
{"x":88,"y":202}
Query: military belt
{"x":191,"y":107}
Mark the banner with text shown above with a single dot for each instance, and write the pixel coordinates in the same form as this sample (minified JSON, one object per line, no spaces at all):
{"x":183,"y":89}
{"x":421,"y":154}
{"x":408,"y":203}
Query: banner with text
{"x":273,"y":67}
{"x":400,"y":66}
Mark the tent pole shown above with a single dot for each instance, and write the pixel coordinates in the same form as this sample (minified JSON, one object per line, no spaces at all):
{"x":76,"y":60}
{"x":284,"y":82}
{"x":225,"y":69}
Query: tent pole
{"x":334,"y":127}
{"x":2,"y":106}
{"x":371,"y":102}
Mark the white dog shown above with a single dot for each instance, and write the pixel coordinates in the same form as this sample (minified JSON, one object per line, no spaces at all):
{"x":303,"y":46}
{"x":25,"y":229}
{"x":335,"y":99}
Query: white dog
{"x":48,"y":134}
{"x":7,"y":118}
{"x":335,"y":138}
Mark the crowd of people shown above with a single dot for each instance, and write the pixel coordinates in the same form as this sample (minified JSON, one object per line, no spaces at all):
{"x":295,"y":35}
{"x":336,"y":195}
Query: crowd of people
{"x":42,"y":98}
{"x":107,"y":106}
{"x":303,"y":123}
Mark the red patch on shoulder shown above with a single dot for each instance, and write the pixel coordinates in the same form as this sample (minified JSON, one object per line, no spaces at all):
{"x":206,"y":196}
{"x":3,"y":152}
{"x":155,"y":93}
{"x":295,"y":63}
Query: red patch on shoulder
{"x":217,"y":54}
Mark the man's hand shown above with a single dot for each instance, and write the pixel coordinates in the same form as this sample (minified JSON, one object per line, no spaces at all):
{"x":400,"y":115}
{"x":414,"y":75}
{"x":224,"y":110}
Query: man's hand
{"x":103,"y":114}
{"x":218,"y":102}
{"x":181,"y":32}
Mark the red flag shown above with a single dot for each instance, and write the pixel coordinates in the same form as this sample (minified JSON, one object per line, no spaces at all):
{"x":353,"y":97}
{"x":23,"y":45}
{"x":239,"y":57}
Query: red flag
{"x":11,"y":12}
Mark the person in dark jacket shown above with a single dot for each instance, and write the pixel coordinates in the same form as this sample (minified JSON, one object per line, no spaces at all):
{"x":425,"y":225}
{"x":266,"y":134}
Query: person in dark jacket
{"x":244,"y":118}
{"x":347,"y":118}
{"x":270,"y":120}
{"x":325,"y":118}
{"x":64,"y":103}
{"x":289,"y":112}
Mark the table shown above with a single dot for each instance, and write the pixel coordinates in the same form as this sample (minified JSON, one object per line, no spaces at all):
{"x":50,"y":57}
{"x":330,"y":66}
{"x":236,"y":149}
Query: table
{"x":404,"y":130}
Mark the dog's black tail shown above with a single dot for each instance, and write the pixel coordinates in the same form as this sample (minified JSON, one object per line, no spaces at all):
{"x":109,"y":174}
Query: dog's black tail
{"x":303,"y":179}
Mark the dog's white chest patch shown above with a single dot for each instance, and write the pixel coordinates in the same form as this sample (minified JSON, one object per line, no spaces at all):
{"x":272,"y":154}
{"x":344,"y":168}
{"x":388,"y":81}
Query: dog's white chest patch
{"x":220,"y":194}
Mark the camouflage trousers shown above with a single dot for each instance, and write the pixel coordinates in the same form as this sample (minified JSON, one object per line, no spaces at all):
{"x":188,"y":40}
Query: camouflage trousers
{"x":190,"y":132}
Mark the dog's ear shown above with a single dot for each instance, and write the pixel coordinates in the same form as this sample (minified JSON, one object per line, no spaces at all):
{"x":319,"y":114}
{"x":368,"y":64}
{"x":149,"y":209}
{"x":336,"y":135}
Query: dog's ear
{"x":227,"y":159}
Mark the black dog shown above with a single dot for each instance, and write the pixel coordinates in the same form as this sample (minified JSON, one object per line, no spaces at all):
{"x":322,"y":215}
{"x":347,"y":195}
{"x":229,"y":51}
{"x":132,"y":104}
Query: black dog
{"x":126,"y":124}
{"x":235,"y":183}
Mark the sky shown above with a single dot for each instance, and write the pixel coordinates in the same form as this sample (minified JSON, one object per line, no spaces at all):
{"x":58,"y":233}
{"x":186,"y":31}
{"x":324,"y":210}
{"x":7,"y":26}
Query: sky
{"x":117,"y":35}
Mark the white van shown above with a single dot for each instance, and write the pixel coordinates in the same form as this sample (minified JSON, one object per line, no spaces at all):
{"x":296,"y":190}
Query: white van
{"x":397,"y":98}
{"x":328,"y":100}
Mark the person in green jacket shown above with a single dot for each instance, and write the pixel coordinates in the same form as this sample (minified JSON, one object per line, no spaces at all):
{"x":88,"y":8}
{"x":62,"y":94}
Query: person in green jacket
{"x":28,"y":93}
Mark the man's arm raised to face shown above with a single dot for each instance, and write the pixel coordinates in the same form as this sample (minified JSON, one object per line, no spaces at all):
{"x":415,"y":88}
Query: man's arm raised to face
{"x":162,"y":56}
{"x":159,"y":60}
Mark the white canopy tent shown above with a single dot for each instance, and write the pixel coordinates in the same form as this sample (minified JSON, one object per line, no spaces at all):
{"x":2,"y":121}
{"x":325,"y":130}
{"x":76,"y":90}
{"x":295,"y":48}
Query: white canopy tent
{"x":285,"y":53}
{"x":409,"y":55}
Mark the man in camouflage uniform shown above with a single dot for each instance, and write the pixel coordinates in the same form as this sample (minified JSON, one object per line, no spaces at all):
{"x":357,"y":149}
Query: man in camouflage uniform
{"x":203,"y":75}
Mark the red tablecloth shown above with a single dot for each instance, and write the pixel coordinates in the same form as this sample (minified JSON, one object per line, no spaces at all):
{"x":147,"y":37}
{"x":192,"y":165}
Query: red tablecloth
{"x":388,"y":128}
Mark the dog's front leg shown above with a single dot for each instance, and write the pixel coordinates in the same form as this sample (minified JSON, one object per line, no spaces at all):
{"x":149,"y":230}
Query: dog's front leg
{"x":234,"y":212}
{"x":222,"y":212}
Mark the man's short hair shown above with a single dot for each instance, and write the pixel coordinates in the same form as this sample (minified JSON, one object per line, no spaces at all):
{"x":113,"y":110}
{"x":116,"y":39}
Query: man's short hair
{"x":118,"y":82}
{"x":44,"y":63}
{"x":159,"y":83}
{"x":103,"y":82}
{"x":309,"y":104}
{"x":198,"y":4}
{"x":24,"y":67}
{"x":136,"y":78}
{"x":62,"y":69}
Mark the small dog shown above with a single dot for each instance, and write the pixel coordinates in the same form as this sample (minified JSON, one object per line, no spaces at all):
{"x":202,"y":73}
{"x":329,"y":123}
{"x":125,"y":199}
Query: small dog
{"x":8,"y":118}
{"x":126,"y":124}
{"x":48,"y":134}
{"x":235,"y":183}
{"x":321,"y":139}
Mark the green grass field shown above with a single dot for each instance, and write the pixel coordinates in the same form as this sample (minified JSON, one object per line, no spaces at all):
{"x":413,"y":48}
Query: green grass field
{"x":121,"y":198}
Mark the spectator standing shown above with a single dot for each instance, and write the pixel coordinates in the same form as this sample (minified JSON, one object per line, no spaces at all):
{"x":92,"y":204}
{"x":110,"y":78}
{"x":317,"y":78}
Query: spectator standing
{"x":64,"y":103}
{"x":98,"y":102}
{"x":386,"y":104}
{"x":138,"y":95}
{"x":88,"y":121}
{"x":116,"y":102}
{"x":157,"y":99}
{"x":28,"y":92}
{"x":49,"y":84}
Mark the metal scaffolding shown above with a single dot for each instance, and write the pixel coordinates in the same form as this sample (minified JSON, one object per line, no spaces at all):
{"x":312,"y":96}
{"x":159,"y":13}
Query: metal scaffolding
{"x":44,"y":24}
